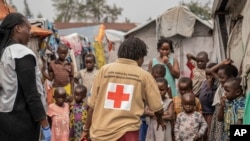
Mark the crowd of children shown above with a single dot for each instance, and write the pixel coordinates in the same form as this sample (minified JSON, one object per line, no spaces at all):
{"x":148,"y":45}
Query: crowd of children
{"x":199,"y":107}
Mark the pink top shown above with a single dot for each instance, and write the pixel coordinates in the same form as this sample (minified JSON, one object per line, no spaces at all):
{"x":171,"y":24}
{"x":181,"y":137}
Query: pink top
{"x":60,"y":122}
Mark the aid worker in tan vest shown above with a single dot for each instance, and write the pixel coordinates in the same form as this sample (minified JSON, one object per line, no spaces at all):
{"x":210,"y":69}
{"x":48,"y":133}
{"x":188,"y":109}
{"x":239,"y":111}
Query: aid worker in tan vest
{"x":118,"y":95}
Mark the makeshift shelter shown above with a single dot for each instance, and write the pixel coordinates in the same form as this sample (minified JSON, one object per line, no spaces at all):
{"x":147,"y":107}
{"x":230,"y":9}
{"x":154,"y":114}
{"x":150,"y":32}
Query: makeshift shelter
{"x":232,"y":19}
{"x":105,"y":42}
{"x":189,"y":34}
{"x":114,"y":39}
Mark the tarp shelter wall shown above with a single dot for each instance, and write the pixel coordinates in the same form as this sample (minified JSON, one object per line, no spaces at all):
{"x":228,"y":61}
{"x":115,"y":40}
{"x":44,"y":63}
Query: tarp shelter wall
{"x":147,"y":33}
{"x":201,"y":38}
{"x":115,"y":38}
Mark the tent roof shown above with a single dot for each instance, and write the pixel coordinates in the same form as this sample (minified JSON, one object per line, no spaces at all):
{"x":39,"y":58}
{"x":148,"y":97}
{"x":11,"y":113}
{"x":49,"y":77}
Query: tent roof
{"x":114,"y":35}
{"x":224,"y":6}
{"x":90,"y":31}
{"x":176,"y":10}
{"x":5,"y":9}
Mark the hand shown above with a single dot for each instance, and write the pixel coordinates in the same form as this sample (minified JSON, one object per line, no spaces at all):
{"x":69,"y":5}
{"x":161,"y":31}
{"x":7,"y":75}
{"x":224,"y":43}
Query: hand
{"x":227,"y":61}
{"x":189,"y":56}
{"x":46,"y":133}
{"x":196,"y":137}
{"x":161,"y":123}
{"x":165,"y":59}
{"x":83,"y":136}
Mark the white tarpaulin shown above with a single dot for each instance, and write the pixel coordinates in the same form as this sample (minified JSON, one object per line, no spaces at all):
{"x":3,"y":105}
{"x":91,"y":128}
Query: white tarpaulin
{"x":189,"y":34}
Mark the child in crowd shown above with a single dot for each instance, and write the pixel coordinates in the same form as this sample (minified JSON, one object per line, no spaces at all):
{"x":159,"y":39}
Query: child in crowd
{"x":158,"y":71}
{"x":206,"y":97}
{"x":61,"y":72}
{"x":159,"y":135}
{"x":78,"y":113}
{"x":190,"y":125}
{"x":225,"y":70}
{"x":166,"y":50}
{"x":185,"y":85}
{"x":58,"y":114}
{"x":88,"y":74}
{"x":197,"y":68}
{"x":231,"y":106}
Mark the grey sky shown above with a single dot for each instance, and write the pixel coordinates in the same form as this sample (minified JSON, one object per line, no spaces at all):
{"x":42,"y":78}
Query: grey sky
{"x":137,"y":11}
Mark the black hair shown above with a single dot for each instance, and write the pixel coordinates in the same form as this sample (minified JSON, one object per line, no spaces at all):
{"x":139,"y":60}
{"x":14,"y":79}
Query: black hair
{"x":203,"y":53}
{"x":82,"y":88}
{"x":90,"y":55}
{"x":162,"y":79}
{"x":7,"y":28}
{"x":186,"y":80}
{"x":210,"y":65}
{"x":62,"y":45}
{"x":132,"y":48}
{"x":229,"y":69}
{"x":188,"y":97}
{"x":160,"y":69}
{"x":59,"y":90}
{"x":236,"y":82}
{"x":163,"y":40}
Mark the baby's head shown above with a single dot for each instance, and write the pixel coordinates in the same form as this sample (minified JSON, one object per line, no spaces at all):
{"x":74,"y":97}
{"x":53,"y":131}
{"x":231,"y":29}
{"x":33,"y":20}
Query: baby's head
{"x":202,"y":60}
{"x":158,"y":70}
{"x":188,"y":102}
{"x":185,"y":85}
{"x":80,"y":93}
{"x":60,"y":96}
{"x":233,"y":88}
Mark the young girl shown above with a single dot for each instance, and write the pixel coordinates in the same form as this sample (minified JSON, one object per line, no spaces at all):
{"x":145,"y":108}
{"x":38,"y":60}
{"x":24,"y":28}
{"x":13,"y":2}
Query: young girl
{"x":165,"y":48}
{"x":225,"y":70}
{"x":58,"y":114}
{"x":78,"y":113}
{"x":190,"y":125}
{"x":206,"y":97}
{"x":158,"y":71}
{"x":232,"y":106}
{"x":88,"y":74}
{"x":159,"y":135}
{"x":61,"y":71}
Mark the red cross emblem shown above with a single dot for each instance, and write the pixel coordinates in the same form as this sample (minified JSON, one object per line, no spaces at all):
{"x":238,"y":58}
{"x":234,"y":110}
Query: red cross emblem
{"x":118,"y":96}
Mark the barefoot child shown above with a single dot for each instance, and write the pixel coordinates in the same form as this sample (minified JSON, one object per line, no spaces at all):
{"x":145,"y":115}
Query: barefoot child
{"x":58,"y":114}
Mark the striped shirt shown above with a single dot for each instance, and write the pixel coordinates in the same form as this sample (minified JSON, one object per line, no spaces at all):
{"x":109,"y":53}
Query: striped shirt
{"x":61,"y":73}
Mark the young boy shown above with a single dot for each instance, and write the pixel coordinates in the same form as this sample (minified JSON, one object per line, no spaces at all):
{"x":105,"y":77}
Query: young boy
{"x":61,"y":71}
{"x":190,"y":124}
{"x":197,"y":67}
{"x":88,"y":74}
{"x":232,"y":106}
{"x":185,"y":86}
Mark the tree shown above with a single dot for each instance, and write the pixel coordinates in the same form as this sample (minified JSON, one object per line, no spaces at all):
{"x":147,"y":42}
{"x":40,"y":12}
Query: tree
{"x":27,"y":11}
{"x":202,"y":11}
{"x":86,"y":10}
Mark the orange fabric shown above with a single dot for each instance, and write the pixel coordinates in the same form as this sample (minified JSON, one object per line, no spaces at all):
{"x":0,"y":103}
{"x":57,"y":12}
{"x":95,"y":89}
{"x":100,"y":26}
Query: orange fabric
{"x":37,"y":31}
{"x":5,"y":9}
